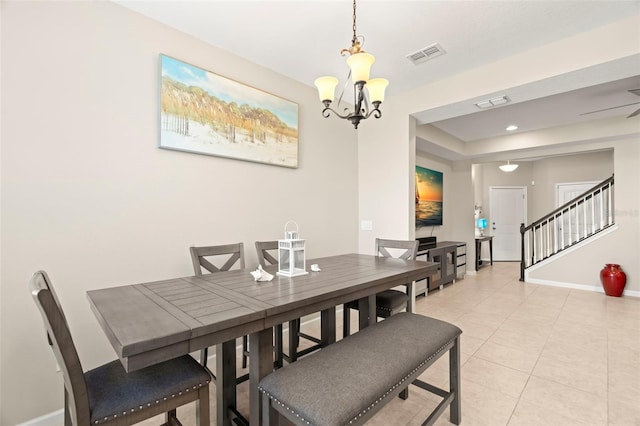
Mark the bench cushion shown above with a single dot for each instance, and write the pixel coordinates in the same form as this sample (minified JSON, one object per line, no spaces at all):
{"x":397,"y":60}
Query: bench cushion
{"x":335,"y":385}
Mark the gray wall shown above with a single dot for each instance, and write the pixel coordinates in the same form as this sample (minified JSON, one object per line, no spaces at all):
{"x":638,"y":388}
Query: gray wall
{"x":540,"y":177}
{"x":547,"y":173}
{"x":88,"y":196}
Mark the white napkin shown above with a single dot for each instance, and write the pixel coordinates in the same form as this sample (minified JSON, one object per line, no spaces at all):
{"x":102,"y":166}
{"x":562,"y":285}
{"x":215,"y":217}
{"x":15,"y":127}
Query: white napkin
{"x":261,"y":275}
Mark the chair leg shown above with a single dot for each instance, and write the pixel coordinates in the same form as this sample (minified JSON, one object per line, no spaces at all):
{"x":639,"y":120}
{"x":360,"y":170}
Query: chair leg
{"x":204,"y":354}
{"x":202,"y":406}
{"x":454,"y":382}
{"x":296,"y":326}
{"x":170,"y":417}
{"x":245,"y":350}
{"x":67,"y":415}
{"x":346,"y":321}
{"x":278,"y":343}
{"x":293,"y":345}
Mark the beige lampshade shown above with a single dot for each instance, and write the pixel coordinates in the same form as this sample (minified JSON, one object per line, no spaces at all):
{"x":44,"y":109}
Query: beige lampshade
{"x":326,"y":87}
{"x":376,"y":88}
{"x":360,"y":64}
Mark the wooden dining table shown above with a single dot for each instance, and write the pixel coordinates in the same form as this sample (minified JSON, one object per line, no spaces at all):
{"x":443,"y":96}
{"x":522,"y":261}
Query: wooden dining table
{"x":151,"y":322}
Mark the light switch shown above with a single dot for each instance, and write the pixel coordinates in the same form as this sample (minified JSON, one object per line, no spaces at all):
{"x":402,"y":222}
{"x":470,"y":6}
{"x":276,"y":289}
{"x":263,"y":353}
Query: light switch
{"x":366,"y":225}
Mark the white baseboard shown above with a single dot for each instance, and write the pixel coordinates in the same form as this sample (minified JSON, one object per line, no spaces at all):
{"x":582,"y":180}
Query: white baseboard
{"x":597,"y":289}
{"x":54,"y":418}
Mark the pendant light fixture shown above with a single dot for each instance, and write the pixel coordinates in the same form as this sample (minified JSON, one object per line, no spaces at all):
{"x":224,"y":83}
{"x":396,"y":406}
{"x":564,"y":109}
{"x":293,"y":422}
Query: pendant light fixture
{"x":508,"y":167}
{"x":360,"y":65}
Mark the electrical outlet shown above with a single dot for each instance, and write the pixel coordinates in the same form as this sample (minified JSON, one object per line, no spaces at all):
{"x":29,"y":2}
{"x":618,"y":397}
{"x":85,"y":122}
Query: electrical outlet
{"x":366,"y":225}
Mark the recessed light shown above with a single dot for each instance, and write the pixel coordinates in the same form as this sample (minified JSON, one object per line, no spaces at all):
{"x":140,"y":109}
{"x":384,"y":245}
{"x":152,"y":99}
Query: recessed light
{"x":511,"y":128}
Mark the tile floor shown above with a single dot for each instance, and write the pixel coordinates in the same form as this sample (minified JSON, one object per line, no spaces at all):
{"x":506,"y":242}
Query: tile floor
{"x":531,"y":355}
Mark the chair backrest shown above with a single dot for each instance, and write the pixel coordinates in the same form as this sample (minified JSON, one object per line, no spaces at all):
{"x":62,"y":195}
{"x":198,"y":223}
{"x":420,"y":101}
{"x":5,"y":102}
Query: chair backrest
{"x":264,"y":256}
{"x":230,"y":254}
{"x":410,"y":248}
{"x":63,"y":347}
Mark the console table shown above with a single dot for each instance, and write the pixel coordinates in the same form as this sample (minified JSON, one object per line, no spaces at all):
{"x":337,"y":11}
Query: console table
{"x":479,"y":242}
{"x":449,"y":255}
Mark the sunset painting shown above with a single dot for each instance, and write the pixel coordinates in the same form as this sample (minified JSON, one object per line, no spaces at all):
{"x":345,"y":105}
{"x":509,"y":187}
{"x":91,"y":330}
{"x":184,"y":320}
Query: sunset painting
{"x":428,"y":197}
{"x":205,"y":113}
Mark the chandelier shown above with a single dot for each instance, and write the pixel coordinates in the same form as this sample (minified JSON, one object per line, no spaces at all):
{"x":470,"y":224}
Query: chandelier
{"x":360,"y":64}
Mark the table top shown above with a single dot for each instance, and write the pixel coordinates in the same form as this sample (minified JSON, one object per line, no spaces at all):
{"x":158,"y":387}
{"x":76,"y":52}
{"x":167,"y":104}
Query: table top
{"x":151,"y":322}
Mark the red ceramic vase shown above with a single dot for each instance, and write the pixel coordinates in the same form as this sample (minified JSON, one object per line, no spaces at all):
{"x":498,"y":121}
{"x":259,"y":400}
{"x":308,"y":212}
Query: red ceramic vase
{"x":613,"y":279}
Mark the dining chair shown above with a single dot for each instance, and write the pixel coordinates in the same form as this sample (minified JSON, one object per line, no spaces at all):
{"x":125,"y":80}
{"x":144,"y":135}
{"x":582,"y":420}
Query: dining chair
{"x":207,"y":257}
{"x":388,"y":302}
{"x":267,"y":255}
{"x":108,"y":394}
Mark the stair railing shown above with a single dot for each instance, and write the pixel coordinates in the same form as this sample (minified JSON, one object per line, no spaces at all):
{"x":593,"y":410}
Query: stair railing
{"x":569,"y":224}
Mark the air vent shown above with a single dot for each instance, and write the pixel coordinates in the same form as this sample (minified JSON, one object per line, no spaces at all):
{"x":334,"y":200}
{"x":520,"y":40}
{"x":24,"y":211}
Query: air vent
{"x":432,"y":51}
{"x":500,"y":100}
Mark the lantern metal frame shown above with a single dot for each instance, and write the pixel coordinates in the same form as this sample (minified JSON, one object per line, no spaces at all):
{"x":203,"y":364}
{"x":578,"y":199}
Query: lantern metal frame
{"x":291,"y":254}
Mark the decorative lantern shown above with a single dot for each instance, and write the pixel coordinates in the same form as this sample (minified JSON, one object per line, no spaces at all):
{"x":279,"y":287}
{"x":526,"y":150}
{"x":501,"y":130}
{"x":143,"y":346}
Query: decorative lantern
{"x":291,"y":257}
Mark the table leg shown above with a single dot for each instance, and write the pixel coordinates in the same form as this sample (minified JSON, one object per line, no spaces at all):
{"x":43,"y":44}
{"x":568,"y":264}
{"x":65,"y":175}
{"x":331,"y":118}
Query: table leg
{"x":294,"y":326}
{"x":278,"y":344}
{"x":225,"y":381}
{"x":491,"y":251}
{"x":261,"y":364}
{"x":327,"y":327}
{"x":411,"y":291}
{"x":367,"y":310}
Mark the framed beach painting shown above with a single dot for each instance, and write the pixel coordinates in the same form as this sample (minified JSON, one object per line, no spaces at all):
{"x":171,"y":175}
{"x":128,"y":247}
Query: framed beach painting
{"x":205,"y":113}
{"x":428,"y":197}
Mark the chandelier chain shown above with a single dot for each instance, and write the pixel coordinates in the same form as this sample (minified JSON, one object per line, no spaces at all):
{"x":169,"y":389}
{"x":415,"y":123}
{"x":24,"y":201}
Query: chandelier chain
{"x":355,"y":38}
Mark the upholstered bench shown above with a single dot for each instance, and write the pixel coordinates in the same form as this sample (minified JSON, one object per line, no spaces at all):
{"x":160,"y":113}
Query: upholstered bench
{"x":348,"y":382}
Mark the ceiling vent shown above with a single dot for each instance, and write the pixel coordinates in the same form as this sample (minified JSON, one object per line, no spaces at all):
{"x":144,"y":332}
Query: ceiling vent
{"x":423,"y":55}
{"x":500,"y":100}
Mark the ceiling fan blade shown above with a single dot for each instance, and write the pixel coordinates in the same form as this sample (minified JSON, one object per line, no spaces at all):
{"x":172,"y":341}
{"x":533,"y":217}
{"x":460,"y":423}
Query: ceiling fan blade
{"x":633,"y":114}
{"x":607,"y":109}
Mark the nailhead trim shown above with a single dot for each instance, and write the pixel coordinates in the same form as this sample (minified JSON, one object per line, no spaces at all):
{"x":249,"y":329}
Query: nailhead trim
{"x":377,"y":401}
{"x":148,"y":404}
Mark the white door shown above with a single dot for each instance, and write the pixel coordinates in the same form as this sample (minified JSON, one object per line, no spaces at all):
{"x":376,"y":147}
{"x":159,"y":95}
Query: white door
{"x":569,"y":226}
{"x":508,"y":206}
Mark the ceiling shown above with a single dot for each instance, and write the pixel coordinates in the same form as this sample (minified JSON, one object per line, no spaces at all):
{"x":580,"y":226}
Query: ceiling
{"x":611,"y":99}
{"x":302,"y":40}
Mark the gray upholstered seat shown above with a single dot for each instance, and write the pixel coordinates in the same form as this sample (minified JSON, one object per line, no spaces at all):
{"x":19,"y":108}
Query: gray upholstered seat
{"x":387,"y":303}
{"x":108,"y":394}
{"x":344,"y":381}
{"x":112,"y":391}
